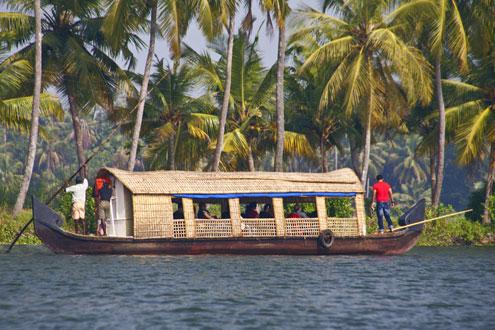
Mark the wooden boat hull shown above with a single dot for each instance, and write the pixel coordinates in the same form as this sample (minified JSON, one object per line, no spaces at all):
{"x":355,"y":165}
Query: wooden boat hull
{"x":59,"y":241}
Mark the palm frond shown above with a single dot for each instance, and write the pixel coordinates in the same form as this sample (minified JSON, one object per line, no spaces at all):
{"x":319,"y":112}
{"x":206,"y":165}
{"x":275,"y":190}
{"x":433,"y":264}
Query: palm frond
{"x":297,"y":144}
{"x":457,"y":37}
{"x":332,"y":50}
{"x":472,"y":135}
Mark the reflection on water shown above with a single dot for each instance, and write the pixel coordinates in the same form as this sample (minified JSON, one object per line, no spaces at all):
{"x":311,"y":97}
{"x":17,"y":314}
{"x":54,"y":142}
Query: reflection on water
{"x":437,"y":288}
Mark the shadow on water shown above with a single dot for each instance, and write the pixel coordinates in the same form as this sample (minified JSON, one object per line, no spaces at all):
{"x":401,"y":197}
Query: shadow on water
{"x":444,"y":288}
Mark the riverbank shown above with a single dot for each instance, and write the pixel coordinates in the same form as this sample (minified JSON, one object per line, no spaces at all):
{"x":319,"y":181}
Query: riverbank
{"x":9,"y":226}
{"x":452,"y":232}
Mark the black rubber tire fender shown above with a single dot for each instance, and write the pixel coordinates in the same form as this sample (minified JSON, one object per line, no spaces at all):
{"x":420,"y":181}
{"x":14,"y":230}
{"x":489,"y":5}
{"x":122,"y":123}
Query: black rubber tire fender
{"x":326,"y":238}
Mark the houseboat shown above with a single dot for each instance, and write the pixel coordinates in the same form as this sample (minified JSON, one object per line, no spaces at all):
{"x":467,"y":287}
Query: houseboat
{"x":157,"y":213}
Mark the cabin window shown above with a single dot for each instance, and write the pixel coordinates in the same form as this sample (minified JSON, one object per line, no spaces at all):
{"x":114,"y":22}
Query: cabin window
{"x":301,"y":216}
{"x":340,"y":207}
{"x":256,"y":207}
{"x":211,"y":208}
{"x":212,"y":218}
{"x":257,"y":217}
{"x":178,"y":208}
{"x":341,"y":216}
{"x":300,"y":207}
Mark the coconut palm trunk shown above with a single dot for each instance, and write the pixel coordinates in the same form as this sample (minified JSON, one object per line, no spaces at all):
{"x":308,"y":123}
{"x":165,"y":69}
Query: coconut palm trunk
{"x":323,"y":152}
{"x":144,"y":89}
{"x":35,"y":114}
{"x":433,"y":178}
{"x":78,"y":137}
{"x":489,"y":184}
{"x":441,"y":133}
{"x":336,"y":160}
{"x":226,"y":96}
{"x":356,"y":153}
{"x":279,"y":152}
{"x":251,"y":159}
{"x":367,"y":144}
{"x":171,"y":152}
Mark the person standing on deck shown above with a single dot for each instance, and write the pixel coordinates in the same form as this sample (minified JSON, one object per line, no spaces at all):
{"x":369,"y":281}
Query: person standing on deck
{"x":104,"y":196}
{"x":78,"y":204}
{"x":382,"y":195}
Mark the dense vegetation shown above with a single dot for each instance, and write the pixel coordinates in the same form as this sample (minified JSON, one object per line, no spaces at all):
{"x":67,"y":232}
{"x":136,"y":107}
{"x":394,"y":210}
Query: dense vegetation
{"x":404,"y":88}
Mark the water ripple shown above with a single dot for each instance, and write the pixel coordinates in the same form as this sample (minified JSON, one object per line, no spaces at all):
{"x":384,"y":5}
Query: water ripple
{"x":428,"y":288}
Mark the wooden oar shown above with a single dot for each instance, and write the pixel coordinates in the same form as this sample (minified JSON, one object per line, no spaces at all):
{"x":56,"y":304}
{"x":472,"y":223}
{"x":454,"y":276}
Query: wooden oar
{"x":432,"y":219}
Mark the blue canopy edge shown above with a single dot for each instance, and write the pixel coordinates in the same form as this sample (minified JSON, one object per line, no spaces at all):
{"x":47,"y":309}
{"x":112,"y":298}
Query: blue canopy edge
{"x":272,"y":195}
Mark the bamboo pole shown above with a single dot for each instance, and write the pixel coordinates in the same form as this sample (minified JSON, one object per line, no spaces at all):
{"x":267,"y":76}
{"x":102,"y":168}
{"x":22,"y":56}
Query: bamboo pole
{"x":432,"y":219}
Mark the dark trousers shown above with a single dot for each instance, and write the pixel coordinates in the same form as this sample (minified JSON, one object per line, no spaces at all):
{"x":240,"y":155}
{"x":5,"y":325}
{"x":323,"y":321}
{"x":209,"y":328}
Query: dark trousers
{"x":383,"y":209}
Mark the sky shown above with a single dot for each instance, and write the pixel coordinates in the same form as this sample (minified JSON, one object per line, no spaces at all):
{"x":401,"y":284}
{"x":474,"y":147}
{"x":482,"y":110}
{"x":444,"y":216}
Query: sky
{"x":195,"y":39}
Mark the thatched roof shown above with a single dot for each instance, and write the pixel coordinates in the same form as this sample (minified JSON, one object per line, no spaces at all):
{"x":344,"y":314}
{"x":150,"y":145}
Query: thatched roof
{"x":180,"y":182}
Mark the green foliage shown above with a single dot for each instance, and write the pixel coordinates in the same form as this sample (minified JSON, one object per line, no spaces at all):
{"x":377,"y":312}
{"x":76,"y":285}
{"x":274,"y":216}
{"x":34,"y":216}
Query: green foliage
{"x":477,"y":204}
{"x":64,"y":207}
{"x":9,"y":227}
{"x":491,"y":207}
{"x":340,"y":207}
{"x":454,"y":231}
{"x":308,"y":208}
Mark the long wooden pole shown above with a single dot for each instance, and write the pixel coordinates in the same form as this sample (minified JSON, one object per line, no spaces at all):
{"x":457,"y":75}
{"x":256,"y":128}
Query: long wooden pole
{"x":61,"y":188}
{"x":96,"y":150}
{"x":432,"y":219}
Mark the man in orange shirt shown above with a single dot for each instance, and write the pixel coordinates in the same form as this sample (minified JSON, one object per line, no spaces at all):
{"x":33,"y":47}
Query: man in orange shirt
{"x":382,"y":195}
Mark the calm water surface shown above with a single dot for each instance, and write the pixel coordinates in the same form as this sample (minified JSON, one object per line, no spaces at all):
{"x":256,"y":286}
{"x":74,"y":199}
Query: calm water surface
{"x":429,"y":288}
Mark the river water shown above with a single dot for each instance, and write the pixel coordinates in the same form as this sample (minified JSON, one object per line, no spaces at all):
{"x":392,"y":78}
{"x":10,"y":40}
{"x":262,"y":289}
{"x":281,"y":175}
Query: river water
{"x":428,"y":288}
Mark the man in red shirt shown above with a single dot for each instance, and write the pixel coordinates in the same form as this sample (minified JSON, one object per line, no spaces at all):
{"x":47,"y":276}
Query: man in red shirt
{"x":382,"y":195}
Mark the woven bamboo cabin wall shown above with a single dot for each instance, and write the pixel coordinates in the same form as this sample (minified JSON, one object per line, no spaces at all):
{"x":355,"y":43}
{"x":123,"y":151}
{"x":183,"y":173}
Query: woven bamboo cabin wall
{"x":152,"y":216}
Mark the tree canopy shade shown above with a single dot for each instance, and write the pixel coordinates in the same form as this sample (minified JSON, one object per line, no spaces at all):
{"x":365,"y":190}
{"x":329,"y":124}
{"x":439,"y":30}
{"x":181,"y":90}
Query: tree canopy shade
{"x":376,"y":70}
{"x":74,"y":53}
{"x":472,"y":119}
{"x":443,"y":23}
{"x":178,"y":125}
{"x":16,"y":98}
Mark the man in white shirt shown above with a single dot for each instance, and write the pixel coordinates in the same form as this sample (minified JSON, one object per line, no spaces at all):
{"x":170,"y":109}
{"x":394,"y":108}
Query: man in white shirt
{"x":78,"y":204}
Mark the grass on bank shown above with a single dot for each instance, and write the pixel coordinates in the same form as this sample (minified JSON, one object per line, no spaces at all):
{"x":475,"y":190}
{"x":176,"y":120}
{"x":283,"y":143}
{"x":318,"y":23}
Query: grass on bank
{"x":9,"y":226}
{"x":453,"y":231}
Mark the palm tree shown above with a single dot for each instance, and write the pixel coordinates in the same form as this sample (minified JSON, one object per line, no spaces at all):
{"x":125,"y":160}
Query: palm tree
{"x":250,"y":132}
{"x":377,"y":70}
{"x":422,"y":123}
{"x":409,"y":169}
{"x":15,"y":102}
{"x":174,"y":118}
{"x":227,"y":10}
{"x":35,"y":114}
{"x":444,"y":24}
{"x":280,"y":10}
{"x":74,"y":51}
{"x":169,"y":17}
{"x":16,"y":110}
{"x":143,"y":93}
{"x":324,"y":128}
{"x":472,"y":118}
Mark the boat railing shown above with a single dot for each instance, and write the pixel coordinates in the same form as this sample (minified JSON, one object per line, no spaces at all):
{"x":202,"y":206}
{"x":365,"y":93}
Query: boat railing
{"x":343,"y":226}
{"x":302,"y":227}
{"x":179,"y":228}
{"x":211,"y":228}
{"x":259,"y":227}
{"x":266,"y":227}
